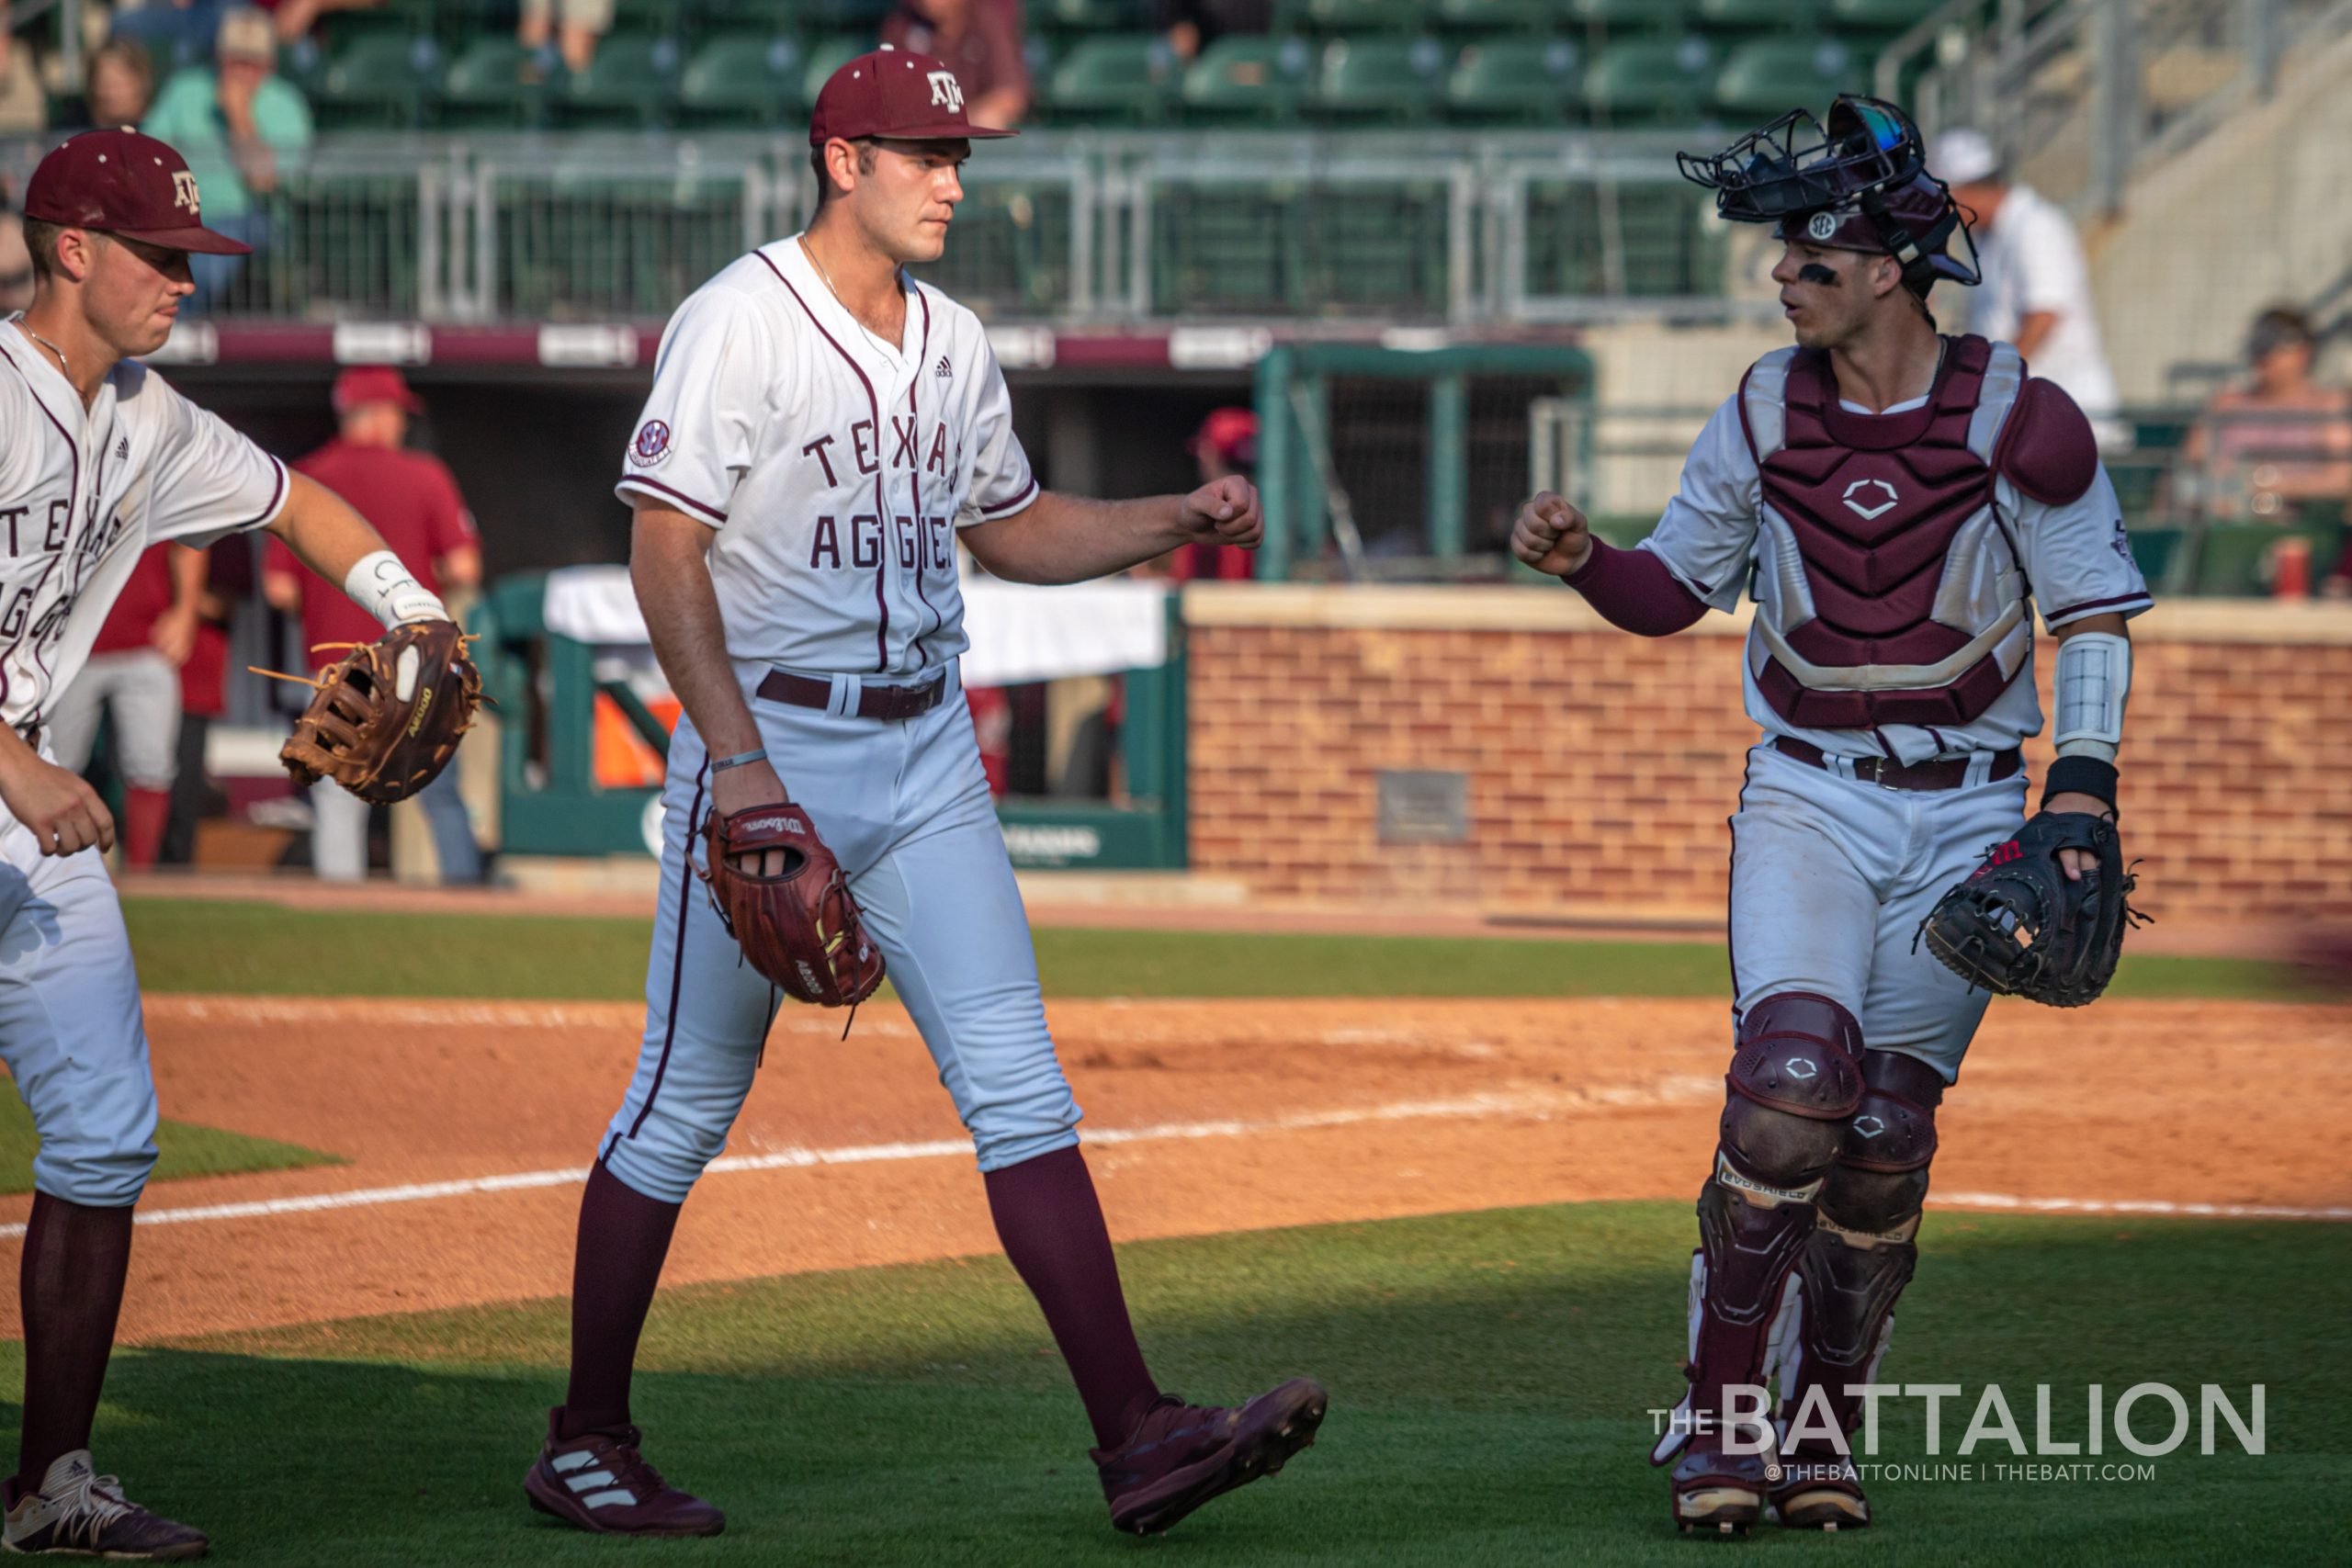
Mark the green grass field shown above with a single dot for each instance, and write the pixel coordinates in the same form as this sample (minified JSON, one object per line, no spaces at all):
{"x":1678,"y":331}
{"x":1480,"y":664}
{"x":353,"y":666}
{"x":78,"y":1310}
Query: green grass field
{"x":182,"y":1150}
{"x":1490,"y":1376}
{"x":262,"y":949}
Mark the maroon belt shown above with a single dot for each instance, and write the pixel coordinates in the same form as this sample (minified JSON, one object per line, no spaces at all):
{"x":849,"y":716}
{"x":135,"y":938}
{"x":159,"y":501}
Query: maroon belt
{"x":1937,"y":773}
{"x":872,"y":701}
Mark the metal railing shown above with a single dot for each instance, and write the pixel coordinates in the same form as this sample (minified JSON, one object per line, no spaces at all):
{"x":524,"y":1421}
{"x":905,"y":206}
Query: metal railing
{"x":1069,"y":226}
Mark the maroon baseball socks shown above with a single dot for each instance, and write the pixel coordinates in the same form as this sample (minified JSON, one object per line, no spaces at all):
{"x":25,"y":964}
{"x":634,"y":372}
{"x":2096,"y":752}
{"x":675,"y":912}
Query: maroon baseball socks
{"x":69,"y":1285}
{"x":624,"y":1239}
{"x":1051,"y":1224}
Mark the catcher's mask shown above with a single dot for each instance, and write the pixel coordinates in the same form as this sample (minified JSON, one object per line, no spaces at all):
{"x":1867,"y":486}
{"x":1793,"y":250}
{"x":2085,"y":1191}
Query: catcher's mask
{"x":1860,"y":184}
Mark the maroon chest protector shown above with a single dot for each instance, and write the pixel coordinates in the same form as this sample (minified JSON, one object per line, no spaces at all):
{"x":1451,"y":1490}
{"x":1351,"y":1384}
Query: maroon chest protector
{"x":1875,"y":504}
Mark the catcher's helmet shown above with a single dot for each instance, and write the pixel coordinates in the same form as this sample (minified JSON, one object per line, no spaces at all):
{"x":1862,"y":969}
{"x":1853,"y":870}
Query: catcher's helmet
{"x":1858,"y":184}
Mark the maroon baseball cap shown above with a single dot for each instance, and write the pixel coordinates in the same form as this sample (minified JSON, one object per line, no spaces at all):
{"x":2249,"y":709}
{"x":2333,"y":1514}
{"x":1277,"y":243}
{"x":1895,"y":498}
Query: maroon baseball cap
{"x":896,"y":94}
{"x":120,"y":182}
{"x":364,"y":384}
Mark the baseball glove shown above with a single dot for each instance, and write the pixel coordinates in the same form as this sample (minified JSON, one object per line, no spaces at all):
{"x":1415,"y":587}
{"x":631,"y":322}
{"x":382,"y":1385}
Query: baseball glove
{"x":2019,"y":927}
{"x":799,"y":927}
{"x":387,"y":715}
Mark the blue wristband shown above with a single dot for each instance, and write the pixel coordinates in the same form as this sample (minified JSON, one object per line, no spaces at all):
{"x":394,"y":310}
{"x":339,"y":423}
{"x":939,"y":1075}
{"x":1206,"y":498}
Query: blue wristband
{"x":742,"y":759}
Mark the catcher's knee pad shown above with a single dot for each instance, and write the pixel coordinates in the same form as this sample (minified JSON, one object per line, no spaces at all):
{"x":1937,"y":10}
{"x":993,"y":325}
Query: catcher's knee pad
{"x":1880,"y":1179}
{"x":1795,"y":1080}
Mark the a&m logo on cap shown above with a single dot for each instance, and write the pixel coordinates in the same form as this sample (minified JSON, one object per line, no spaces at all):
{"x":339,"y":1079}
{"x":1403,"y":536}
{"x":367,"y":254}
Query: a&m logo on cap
{"x":946,"y":91}
{"x":184,"y":191}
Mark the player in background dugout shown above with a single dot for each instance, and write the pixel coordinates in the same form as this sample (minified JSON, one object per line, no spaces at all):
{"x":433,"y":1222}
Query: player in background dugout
{"x":413,"y":500}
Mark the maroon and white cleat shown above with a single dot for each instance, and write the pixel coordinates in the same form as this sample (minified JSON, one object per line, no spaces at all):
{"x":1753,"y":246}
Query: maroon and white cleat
{"x":599,"y":1481}
{"x":1181,"y":1455}
{"x":79,"y":1513}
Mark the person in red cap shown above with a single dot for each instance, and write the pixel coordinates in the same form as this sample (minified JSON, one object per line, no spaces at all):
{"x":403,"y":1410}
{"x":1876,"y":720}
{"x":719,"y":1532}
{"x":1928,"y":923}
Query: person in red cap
{"x":1226,"y":444}
{"x":822,"y":432}
{"x":101,"y":460}
{"x":413,"y":500}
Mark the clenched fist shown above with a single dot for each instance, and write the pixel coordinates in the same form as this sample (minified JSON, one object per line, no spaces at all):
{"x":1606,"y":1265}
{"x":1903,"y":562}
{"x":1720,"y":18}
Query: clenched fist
{"x":1225,"y":511}
{"x":1551,"y":537}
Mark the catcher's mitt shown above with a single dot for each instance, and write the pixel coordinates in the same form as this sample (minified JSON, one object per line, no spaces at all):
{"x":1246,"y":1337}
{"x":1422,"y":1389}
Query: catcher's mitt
{"x":798,"y":927}
{"x":387,"y":713}
{"x":2019,"y":927}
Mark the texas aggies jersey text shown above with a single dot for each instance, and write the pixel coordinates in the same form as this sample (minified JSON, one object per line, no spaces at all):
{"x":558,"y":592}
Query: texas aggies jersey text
{"x":83,"y":492}
{"x":835,"y":466}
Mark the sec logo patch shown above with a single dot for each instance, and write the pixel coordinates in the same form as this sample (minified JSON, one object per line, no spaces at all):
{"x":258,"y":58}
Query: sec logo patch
{"x":1823,"y":226}
{"x":651,"y":445}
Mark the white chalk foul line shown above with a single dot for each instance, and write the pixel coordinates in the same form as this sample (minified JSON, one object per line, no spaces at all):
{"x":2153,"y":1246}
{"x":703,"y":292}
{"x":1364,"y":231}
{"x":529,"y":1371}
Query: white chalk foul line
{"x":2136,"y":1206}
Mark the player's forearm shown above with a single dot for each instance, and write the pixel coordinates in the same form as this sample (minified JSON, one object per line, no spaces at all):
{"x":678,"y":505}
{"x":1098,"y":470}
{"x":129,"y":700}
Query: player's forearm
{"x":333,"y":540}
{"x":1067,"y":538}
{"x":188,"y":568}
{"x":668,"y":568}
{"x":2032,"y":332}
{"x":1634,"y":591}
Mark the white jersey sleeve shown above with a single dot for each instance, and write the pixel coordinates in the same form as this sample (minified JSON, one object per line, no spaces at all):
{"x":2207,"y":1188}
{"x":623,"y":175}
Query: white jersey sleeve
{"x":1708,"y":533}
{"x":207,"y":482}
{"x":2078,"y":556}
{"x":715,"y":380}
{"x":1002,"y":481}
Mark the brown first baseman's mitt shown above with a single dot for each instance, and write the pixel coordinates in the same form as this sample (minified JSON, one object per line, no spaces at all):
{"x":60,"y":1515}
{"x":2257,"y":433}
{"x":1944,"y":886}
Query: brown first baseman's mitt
{"x":387,"y":713}
{"x":799,"y":927}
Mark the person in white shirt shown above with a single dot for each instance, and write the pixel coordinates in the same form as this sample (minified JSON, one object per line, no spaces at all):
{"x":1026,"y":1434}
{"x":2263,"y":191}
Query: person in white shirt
{"x":2037,"y":293}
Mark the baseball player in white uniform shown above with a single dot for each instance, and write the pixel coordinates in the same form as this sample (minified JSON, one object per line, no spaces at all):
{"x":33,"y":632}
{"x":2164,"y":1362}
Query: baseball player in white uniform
{"x":101,"y":459}
{"x":1899,"y":503}
{"x":822,"y":431}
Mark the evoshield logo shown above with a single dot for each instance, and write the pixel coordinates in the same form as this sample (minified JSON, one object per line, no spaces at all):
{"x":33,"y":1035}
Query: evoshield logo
{"x":1868,"y":489}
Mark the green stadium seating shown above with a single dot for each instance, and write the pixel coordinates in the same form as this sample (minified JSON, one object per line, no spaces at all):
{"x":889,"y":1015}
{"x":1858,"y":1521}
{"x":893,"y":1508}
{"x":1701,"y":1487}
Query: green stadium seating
{"x":741,"y":79}
{"x":1645,"y":80}
{"x":496,"y":82}
{"x":828,"y":55}
{"x":1364,"y":15}
{"x":861,"y":16}
{"x":1720,"y":17}
{"x":1771,"y":76}
{"x":2236,"y":558}
{"x":1243,"y":77}
{"x":1496,"y":16}
{"x":1880,"y":16}
{"x":664,"y":18}
{"x":1090,"y":15}
{"x":629,"y":82}
{"x":1525,"y":81}
{"x":376,"y":80}
{"x":1118,"y":77}
{"x":1629,"y":16}
{"x":1378,"y":78}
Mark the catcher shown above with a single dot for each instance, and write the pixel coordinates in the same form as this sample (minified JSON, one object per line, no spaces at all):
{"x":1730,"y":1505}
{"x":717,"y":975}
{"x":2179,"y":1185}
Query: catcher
{"x":1898,"y":502}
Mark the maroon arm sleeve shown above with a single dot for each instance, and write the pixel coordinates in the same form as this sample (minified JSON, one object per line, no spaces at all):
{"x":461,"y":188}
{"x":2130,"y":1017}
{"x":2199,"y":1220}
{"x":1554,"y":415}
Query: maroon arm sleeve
{"x":1635,"y":592}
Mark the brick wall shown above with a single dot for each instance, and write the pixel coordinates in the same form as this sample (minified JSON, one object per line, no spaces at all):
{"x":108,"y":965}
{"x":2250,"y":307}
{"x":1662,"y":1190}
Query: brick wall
{"x":1601,"y":766}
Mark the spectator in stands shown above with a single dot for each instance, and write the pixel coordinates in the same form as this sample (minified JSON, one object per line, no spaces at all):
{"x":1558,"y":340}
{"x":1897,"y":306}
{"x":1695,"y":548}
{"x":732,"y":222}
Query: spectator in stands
{"x":23,"y":106}
{"x":577,"y":25}
{"x":16,"y":266}
{"x":133,"y":675}
{"x":2037,"y":290}
{"x":413,"y":500}
{"x":979,"y":40}
{"x":1190,"y":25}
{"x":2279,"y":442}
{"x":204,"y":687}
{"x":118,"y":86}
{"x":239,"y":125}
{"x":1227,"y":443}
{"x":295,"y":18}
{"x":175,"y":33}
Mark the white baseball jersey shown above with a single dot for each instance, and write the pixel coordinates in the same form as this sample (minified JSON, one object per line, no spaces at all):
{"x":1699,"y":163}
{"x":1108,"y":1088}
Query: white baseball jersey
{"x":84,"y":492}
{"x":2078,"y":561}
{"x":834,"y":466}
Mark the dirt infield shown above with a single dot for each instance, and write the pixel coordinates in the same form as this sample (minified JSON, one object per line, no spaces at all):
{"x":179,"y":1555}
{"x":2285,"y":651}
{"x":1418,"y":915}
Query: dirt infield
{"x":467,"y":1127}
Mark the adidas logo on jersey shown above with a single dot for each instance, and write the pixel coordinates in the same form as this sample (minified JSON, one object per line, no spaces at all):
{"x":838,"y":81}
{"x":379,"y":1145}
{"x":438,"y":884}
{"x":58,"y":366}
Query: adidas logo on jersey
{"x":122,"y":448}
{"x":944,"y":370}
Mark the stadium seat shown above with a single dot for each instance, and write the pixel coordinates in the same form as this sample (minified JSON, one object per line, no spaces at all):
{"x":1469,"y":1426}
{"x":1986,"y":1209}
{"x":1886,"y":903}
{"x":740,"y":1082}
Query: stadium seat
{"x":1246,"y":77}
{"x":828,"y":55}
{"x":1364,"y":15}
{"x":1525,"y":81}
{"x":1496,"y":16}
{"x":1643,"y":81}
{"x":1629,"y":16}
{"x":377,"y":80}
{"x":496,"y":82}
{"x":861,"y":16}
{"x":1721,"y":17}
{"x":1090,"y":15}
{"x":663,"y":18}
{"x":1378,"y":78}
{"x":1119,"y":77}
{"x":741,"y":79}
{"x":628,"y":83}
{"x":1880,"y":16}
{"x":1771,"y":76}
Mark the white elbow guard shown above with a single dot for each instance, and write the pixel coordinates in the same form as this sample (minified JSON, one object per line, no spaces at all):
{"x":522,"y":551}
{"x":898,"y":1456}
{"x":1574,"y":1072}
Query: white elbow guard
{"x":380,"y":585}
{"x":2094,"y":678}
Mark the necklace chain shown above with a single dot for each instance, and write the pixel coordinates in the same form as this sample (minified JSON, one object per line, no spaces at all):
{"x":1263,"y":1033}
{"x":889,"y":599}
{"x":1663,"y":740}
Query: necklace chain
{"x":834,"y":288}
{"x":62,"y":368}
